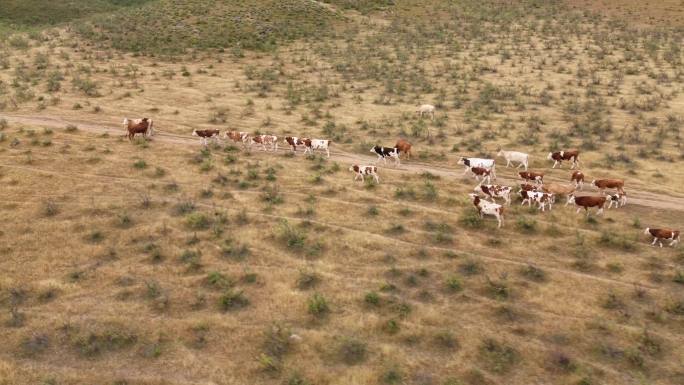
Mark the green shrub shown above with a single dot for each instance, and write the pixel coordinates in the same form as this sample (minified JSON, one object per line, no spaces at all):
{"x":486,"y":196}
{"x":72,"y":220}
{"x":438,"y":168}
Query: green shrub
{"x":197,"y":221}
{"x":232,"y":300}
{"x":317,"y":305}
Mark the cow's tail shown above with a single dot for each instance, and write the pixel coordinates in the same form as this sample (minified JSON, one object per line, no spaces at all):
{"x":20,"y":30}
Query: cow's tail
{"x":647,"y":230}
{"x":125,"y":123}
{"x":150,"y":128}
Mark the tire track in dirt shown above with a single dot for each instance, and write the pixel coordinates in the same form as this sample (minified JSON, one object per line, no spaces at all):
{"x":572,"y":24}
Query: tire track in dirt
{"x":636,"y":197}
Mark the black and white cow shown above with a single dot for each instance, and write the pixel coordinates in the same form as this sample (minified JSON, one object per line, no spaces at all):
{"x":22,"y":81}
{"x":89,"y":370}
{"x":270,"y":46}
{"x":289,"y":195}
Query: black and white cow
{"x":385,"y":152}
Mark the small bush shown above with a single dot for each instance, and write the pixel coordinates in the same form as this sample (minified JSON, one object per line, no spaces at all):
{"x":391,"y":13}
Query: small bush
{"x":372,"y":298}
{"x":197,"y":221}
{"x":526,"y":225}
{"x":471,"y":219}
{"x":497,"y":357}
{"x":453,"y":283}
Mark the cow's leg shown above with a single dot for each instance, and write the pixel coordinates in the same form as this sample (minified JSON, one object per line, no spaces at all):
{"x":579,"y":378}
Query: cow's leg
{"x":578,"y":210}
{"x":660,"y":243}
{"x":600,"y":211}
{"x":508,"y":163}
{"x":655,"y":239}
{"x":327,"y":152}
{"x":377,"y":179}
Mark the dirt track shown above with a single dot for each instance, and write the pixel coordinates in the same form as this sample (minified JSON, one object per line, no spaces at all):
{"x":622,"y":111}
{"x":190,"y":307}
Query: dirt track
{"x":636,"y":197}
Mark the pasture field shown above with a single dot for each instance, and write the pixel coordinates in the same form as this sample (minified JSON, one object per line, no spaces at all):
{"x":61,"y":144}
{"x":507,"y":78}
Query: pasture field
{"x":160,"y":261}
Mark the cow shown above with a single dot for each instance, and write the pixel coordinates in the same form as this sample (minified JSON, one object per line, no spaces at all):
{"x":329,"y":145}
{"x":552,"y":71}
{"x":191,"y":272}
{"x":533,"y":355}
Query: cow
{"x":138,"y":126}
{"x":404,"y":147}
{"x":385,"y":152}
{"x":536,"y":176}
{"x":265,"y":140}
{"x":529,"y":187}
{"x":362,"y":171}
{"x":488,"y":208}
{"x":495,"y":191}
{"x":294,"y":141}
{"x":478,"y":162}
{"x":619,"y":199}
{"x":238,"y":136}
{"x":310,"y":145}
{"x":485,"y":173}
{"x":577,"y":178}
{"x":515,"y":156}
{"x":663,"y":234}
{"x":205,"y":135}
{"x":426,"y":109}
{"x":588,"y":201}
{"x":559,"y":189}
{"x":602,"y":184}
{"x":541,"y":198}
{"x":559,"y":156}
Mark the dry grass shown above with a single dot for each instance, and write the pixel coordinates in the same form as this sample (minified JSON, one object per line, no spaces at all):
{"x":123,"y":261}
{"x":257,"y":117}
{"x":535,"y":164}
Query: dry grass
{"x":162,"y":262}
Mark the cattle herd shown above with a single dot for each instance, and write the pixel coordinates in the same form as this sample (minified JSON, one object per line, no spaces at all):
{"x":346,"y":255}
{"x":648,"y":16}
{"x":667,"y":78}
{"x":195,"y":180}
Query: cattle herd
{"x":532,"y":189}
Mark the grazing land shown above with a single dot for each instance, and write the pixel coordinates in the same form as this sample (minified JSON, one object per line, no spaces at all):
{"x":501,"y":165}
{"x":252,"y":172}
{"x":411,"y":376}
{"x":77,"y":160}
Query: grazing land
{"x":163,"y":261}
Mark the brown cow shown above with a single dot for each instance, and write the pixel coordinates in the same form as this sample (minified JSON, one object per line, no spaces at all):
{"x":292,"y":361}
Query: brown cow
{"x":529,"y":187}
{"x":559,"y":189}
{"x":404,"y":146}
{"x":559,"y":156}
{"x":205,"y":135}
{"x":138,"y":126}
{"x":577,"y":178}
{"x":588,"y":201}
{"x":537,"y":176}
{"x":603,"y":184}
{"x":663,"y":234}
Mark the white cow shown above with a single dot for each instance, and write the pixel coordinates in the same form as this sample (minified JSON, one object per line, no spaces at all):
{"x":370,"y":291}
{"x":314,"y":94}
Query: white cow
{"x":426,"y":109}
{"x":515,"y":156}
{"x":317,"y":144}
{"x":478,"y":162}
{"x":488,"y":208}
{"x":538,"y":197}
{"x":362,"y":171}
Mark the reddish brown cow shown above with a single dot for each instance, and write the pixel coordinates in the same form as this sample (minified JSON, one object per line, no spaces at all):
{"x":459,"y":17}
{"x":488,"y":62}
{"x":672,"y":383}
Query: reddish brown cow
{"x":536,"y":176}
{"x":137,"y":127}
{"x":577,"y":178}
{"x":238,"y":136}
{"x":663,"y":234}
{"x":603,"y":184}
{"x":404,"y":147}
{"x":559,"y":156}
{"x":587,"y":202}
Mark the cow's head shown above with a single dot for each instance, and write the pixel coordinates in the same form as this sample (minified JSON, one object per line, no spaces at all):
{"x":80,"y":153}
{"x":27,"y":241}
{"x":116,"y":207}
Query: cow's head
{"x":593,"y":182}
{"x":194,"y":133}
{"x":354,"y":168}
{"x":571,"y":198}
{"x":550,"y":157}
{"x":375,"y":149}
{"x":500,"y":153}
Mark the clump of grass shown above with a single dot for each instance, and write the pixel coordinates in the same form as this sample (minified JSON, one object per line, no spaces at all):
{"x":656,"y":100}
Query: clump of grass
{"x":471,"y":267}
{"x":352,"y":351}
{"x":95,"y":343}
{"x":454,"y":284}
{"x":497,"y":357}
{"x":219,"y":280}
{"x":445,"y":340}
{"x":292,"y":237}
{"x":526,"y":225}
{"x":197,"y":221}
{"x":533,"y":273}
{"x":232,"y":300}
{"x":307,"y":280}
{"x":471,"y":219}
{"x":317,"y":305}
{"x":50,"y":208}
{"x":372,"y":298}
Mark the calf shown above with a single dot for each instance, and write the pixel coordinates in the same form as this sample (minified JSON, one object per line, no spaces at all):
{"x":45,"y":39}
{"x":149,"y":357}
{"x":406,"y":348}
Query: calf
{"x":266,"y":140}
{"x":529,"y":187}
{"x":587,"y":202}
{"x":362,"y":171}
{"x":663,"y":234}
{"x":619,"y":199}
{"x":603,"y":184}
{"x":205,"y":135}
{"x":541,"y":198}
{"x":559,"y":156}
{"x":385,"y":152}
{"x":488,"y":208}
{"x":536,"y":176}
{"x":404,"y":147}
{"x":495,"y":191}
{"x":515,"y":156}
{"x":485,"y":173}
{"x":577,"y":178}
{"x":478,"y":162}
{"x":426,"y":109}
{"x":294,"y":141}
{"x":310,"y":145}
